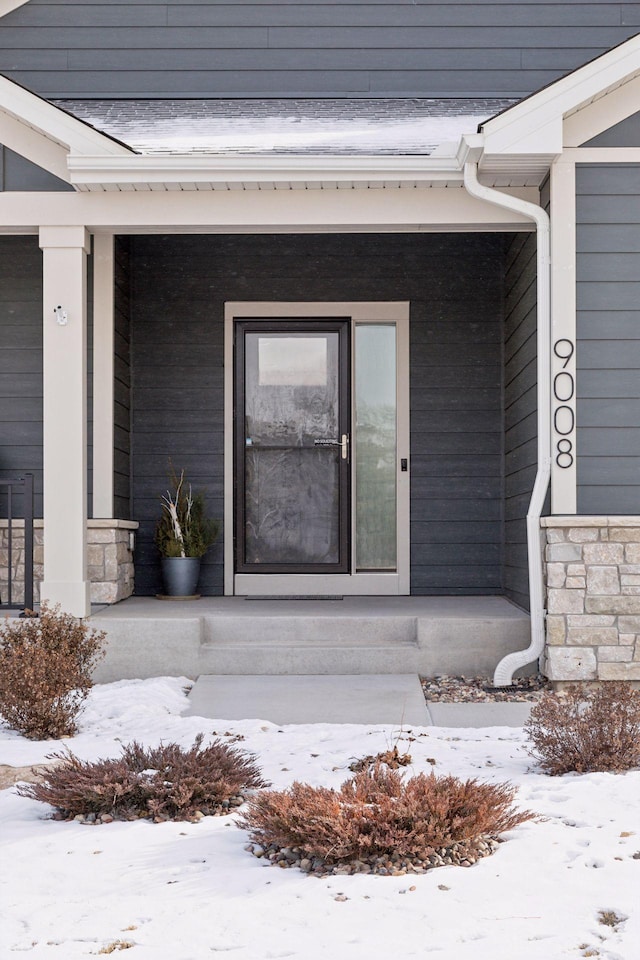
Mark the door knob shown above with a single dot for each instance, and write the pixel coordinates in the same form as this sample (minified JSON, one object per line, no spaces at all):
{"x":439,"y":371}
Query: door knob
{"x":343,"y":443}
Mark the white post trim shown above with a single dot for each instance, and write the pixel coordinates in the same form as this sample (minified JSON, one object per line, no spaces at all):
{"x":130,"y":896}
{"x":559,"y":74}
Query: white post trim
{"x":103,"y":375}
{"x":65,"y":417}
{"x":564,"y":497}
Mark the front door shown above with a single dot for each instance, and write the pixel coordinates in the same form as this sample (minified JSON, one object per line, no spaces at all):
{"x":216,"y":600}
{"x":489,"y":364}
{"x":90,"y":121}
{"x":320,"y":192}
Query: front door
{"x":292,"y":446}
{"x":316,"y":448}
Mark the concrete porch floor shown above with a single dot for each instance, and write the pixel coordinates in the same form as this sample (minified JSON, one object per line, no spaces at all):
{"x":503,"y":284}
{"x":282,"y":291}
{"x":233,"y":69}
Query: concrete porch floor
{"x":234,"y":636}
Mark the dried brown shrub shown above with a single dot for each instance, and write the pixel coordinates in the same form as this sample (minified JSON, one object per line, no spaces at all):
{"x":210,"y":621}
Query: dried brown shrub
{"x":45,"y":672}
{"x":378,"y":813}
{"x":391,"y":758}
{"x":164,"y":783}
{"x":586,"y":730}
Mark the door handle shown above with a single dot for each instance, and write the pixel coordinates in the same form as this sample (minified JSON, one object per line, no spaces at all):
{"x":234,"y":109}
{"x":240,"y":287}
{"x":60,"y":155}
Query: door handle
{"x":343,"y":443}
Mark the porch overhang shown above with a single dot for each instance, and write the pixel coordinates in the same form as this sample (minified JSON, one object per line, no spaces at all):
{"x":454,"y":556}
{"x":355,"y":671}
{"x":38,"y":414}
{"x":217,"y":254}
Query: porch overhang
{"x":284,"y":210}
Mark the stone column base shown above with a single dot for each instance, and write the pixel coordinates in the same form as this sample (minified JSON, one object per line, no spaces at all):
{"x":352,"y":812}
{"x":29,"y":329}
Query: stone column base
{"x":109,"y":559}
{"x":592,"y":568}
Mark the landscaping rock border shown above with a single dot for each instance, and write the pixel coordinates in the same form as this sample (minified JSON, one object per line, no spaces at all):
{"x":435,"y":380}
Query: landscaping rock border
{"x":462,"y":854}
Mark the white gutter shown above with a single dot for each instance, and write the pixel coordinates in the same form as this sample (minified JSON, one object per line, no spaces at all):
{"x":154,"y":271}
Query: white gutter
{"x":504,"y":671}
{"x":144,"y":168}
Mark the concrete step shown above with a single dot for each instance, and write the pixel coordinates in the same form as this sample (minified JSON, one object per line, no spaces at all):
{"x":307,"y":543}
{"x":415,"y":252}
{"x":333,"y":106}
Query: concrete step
{"x":377,"y":635}
{"x":308,"y":657}
{"x":355,"y":630}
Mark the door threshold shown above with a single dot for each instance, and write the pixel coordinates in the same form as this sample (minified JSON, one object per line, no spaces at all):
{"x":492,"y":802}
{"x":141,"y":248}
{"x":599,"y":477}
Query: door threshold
{"x":293,"y":596}
{"x":316,"y":586}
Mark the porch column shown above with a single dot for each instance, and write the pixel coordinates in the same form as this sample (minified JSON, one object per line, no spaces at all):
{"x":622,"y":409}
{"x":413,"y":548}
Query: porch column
{"x":103,"y":374}
{"x":564,"y":455}
{"x":65,"y":418}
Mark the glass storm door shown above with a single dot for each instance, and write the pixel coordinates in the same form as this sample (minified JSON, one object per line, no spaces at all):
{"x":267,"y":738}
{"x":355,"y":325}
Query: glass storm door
{"x":292,"y":412}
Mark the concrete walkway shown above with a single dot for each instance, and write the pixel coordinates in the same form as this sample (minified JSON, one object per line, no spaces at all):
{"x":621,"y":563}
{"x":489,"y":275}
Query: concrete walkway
{"x":366,"y":698}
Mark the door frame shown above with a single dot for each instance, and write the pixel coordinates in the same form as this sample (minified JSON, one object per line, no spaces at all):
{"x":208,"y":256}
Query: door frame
{"x":310,"y":584}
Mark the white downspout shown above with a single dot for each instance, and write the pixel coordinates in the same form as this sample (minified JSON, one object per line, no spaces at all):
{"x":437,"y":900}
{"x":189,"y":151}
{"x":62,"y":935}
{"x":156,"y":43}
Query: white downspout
{"x":504,"y":671}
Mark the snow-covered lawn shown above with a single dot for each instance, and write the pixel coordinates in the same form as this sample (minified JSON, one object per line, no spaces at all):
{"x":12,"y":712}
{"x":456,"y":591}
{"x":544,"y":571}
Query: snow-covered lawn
{"x":182,"y":891}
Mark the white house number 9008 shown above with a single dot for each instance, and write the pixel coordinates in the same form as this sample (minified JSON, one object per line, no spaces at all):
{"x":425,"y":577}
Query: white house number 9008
{"x":564,"y":420}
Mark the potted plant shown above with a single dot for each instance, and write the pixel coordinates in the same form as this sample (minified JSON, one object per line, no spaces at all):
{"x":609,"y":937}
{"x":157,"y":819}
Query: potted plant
{"x":183,"y":535}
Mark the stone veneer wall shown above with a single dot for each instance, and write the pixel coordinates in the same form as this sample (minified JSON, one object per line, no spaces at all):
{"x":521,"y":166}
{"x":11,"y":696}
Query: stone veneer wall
{"x":592,"y":569}
{"x":109,"y":559}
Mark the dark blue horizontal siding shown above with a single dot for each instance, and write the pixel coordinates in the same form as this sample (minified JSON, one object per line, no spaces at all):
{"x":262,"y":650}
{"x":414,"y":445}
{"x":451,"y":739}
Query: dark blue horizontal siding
{"x":608,"y":338}
{"x":21,"y":362}
{"x":16,"y":173}
{"x":296,"y":48}
{"x":122,"y":383}
{"x":623,"y":134}
{"x":454,"y":284}
{"x":520,"y":405}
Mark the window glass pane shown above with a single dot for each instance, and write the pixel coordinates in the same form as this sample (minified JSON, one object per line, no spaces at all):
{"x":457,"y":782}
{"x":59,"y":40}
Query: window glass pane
{"x":292,"y":492}
{"x":292,"y":361}
{"x":375,"y":446}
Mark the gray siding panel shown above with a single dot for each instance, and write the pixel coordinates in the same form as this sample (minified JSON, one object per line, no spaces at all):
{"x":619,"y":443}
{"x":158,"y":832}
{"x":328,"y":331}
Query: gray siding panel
{"x":325,"y":48}
{"x":623,"y":134}
{"x":21,"y":362}
{"x":122,"y":383}
{"x":608,"y":338}
{"x":21,"y":392}
{"x":16,"y":173}
{"x":520,"y":404}
{"x":454,"y":283}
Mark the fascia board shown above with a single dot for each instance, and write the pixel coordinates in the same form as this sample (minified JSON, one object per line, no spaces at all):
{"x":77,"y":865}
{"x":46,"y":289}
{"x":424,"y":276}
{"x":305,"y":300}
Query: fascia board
{"x":602,"y":113}
{"x":55,"y":124}
{"x":34,"y":146}
{"x":265,"y":211}
{"x":537,"y":121}
{"x":179,"y":169}
{"x":543,"y":137}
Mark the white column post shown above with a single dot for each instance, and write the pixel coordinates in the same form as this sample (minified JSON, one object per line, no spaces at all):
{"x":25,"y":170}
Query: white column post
{"x":65,"y":417}
{"x":103,"y":374}
{"x":563,"y":338}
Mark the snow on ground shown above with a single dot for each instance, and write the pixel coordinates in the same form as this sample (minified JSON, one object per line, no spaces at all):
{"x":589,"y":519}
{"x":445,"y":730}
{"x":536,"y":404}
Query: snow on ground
{"x":182,"y":891}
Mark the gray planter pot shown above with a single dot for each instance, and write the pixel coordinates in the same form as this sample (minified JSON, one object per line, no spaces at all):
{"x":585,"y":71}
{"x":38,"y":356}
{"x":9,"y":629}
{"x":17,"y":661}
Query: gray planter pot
{"x":180,"y":575}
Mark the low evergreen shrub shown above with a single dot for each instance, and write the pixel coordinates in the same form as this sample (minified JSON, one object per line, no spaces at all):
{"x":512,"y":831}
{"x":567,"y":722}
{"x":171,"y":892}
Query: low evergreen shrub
{"x":586,"y":729}
{"x":377,"y":815}
{"x":162,"y":783}
{"x":45,"y":672}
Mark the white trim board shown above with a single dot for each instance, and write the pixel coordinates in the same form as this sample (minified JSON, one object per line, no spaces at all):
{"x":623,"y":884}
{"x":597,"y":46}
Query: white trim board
{"x":602,"y":113}
{"x":355,"y":584}
{"x":263,"y":210}
{"x":53,"y":123}
{"x":563,"y":338}
{"x":535,"y":125}
{"x":103,"y":374}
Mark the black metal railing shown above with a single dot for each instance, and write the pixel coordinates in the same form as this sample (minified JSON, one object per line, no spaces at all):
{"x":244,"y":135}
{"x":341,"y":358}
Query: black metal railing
{"x":20,"y":486}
